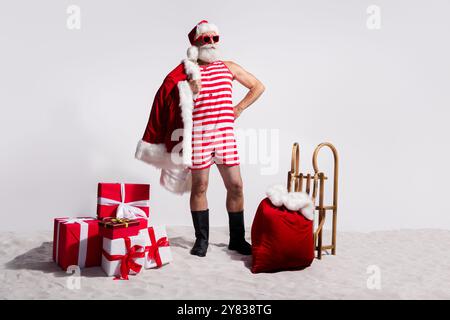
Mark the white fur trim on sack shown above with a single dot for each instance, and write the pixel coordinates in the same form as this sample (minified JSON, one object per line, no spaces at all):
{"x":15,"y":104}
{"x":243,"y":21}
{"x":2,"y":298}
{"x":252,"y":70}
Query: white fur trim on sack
{"x":294,"y":201}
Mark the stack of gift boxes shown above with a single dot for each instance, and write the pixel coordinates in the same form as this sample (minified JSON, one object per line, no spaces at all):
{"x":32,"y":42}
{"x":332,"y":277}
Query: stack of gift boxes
{"x":119,"y":239}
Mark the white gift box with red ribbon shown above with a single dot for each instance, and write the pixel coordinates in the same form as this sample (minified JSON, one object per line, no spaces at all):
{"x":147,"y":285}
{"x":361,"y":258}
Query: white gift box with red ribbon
{"x":157,"y":247}
{"x":123,"y":256}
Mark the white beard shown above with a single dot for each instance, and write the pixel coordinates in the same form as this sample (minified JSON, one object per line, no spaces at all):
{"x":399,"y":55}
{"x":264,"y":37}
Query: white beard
{"x":208,"y":53}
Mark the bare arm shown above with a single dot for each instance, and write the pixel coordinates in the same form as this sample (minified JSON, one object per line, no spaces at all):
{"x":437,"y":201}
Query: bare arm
{"x":256,"y":88}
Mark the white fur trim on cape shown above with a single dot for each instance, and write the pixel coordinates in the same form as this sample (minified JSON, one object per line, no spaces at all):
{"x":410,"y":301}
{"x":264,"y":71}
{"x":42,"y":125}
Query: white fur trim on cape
{"x":154,"y":154}
{"x":205,"y":27}
{"x":187,"y":98}
{"x":177,"y":181}
{"x":192,"y":69}
{"x":186,"y":105}
{"x":175,"y":178}
{"x":294,"y":201}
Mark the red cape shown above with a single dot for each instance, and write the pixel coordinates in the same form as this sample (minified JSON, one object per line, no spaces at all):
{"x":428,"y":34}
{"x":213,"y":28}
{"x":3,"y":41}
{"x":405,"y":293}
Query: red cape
{"x":167,"y":140}
{"x":165,"y":115}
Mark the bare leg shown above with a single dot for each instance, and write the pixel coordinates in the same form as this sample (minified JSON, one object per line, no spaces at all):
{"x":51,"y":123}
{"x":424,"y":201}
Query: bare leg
{"x":200,"y":211}
{"x":198,"y":200}
{"x":233,"y":183}
{"x":235,"y":206}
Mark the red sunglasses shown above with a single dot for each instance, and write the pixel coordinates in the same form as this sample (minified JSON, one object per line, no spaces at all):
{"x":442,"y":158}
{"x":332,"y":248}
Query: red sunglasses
{"x":206,"y":39}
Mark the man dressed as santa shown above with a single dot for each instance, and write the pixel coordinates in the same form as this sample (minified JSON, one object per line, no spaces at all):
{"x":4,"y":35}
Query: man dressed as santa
{"x":191,"y":127}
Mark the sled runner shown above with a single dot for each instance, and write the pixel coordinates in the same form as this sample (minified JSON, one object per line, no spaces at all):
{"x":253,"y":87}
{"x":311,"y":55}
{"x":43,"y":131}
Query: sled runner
{"x":314,"y":186}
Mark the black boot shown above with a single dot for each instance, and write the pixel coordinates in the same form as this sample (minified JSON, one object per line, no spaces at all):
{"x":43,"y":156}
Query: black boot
{"x":237,"y":233}
{"x":201,"y":226}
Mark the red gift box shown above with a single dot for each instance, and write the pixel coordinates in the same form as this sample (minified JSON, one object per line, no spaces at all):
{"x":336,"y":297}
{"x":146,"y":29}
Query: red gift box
{"x":123,"y":200}
{"x":76,"y":241}
{"x":113,"y":228}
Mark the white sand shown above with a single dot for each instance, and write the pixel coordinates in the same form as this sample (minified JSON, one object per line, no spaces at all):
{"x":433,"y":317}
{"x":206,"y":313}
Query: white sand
{"x":414,"y":264}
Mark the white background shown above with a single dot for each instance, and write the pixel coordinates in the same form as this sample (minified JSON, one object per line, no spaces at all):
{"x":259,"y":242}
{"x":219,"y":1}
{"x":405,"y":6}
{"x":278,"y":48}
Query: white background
{"x":74,"y":103}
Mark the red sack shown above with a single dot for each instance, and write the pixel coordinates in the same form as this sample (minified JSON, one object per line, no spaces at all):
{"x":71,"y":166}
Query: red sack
{"x":281,"y":239}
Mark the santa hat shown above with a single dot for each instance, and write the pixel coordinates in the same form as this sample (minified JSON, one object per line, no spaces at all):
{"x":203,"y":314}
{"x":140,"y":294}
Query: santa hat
{"x":201,"y":27}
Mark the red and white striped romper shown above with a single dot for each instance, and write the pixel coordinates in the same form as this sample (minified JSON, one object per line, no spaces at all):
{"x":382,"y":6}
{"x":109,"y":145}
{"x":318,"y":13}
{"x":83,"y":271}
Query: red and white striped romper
{"x":213,"y":138}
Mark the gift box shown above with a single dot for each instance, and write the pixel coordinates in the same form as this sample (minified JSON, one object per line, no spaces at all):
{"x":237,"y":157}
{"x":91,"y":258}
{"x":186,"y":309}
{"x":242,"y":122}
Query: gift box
{"x":113,"y":228}
{"x":123,"y":200}
{"x":123,"y":256}
{"x":76,"y":241}
{"x":157,"y":249}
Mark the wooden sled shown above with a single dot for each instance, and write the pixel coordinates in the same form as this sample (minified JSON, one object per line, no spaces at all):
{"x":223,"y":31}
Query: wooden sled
{"x":297,"y":181}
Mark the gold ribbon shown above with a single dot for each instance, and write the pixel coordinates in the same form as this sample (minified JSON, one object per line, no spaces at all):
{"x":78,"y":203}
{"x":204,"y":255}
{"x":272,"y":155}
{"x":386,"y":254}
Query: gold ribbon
{"x":120,"y":220}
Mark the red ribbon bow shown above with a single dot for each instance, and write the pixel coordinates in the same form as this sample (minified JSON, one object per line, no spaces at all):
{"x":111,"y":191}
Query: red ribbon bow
{"x":127,"y":262}
{"x":153,"y":249}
